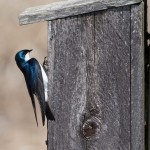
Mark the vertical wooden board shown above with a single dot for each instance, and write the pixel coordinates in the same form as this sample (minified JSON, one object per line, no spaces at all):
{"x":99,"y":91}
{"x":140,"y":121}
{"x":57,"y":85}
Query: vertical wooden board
{"x":92,"y":111}
{"x":137,"y":78}
{"x":90,"y":68}
{"x":68,"y":84}
{"x":112,"y":73}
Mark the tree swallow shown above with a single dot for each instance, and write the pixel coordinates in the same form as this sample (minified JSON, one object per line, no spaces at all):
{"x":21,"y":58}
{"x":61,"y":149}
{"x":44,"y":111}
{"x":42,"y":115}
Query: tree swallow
{"x":36,"y":81}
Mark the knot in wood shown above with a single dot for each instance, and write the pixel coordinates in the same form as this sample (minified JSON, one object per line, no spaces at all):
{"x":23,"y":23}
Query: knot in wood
{"x":95,"y":112}
{"x":91,"y":127}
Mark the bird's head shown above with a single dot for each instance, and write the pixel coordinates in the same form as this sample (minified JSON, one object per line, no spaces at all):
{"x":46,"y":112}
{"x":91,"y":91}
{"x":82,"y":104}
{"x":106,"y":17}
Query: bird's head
{"x":22,"y":56}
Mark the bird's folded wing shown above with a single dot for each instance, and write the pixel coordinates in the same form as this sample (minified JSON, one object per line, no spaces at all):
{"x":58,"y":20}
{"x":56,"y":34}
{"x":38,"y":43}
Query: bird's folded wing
{"x":37,"y":86}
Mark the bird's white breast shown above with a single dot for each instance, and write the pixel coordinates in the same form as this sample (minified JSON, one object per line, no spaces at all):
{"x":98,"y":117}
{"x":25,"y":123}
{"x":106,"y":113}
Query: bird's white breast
{"x":45,"y":80}
{"x":27,"y":57}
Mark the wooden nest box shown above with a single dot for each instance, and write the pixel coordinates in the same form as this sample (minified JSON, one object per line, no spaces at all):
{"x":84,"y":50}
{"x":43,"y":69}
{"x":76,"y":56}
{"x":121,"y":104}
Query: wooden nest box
{"x":96,"y":73}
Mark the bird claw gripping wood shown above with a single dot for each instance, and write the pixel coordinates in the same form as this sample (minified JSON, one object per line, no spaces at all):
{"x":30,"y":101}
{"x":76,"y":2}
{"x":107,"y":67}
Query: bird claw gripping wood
{"x":45,"y":64}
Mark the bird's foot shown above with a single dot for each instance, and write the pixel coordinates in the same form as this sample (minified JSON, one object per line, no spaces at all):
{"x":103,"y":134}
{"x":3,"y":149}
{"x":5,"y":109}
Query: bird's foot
{"x":46,"y":142}
{"x":45,"y":64}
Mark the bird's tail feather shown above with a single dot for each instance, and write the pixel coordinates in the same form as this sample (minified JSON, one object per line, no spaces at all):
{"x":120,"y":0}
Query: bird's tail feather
{"x":34,"y":108}
{"x":49,"y":114}
{"x":36,"y":117}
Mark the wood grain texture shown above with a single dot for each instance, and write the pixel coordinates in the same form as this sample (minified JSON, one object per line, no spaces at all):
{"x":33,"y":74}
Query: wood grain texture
{"x":68,"y":84}
{"x":137,"y":78}
{"x":112,"y":61}
{"x":89,"y":81}
{"x":68,"y":8}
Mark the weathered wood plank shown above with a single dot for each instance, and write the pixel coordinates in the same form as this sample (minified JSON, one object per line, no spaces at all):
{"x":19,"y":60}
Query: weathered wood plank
{"x":89,"y":77}
{"x":68,"y":8}
{"x":68,"y":84}
{"x":137,"y":78}
{"x":112,"y":69}
{"x":90,"y":126}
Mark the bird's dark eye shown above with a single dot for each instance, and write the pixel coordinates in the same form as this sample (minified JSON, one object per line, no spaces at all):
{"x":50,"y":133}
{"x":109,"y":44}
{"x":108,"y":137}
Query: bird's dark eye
{"x":23,"y":53}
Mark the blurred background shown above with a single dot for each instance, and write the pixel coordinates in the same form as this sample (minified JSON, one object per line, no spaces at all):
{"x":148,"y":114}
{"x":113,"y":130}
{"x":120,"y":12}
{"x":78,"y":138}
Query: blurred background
{"x":18,"y":130}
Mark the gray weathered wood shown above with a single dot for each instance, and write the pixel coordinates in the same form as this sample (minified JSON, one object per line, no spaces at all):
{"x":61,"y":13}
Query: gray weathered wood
{"x":68,"y":8}
{"x":112,"y":61}
{"x":137,"y":78}
{"x":67,"y":83}
{"x":90,"y":81}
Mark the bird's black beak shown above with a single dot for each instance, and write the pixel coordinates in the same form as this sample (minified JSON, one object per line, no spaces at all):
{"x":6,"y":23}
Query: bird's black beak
{"x":30,"y":50}
{"x":27,"y":51}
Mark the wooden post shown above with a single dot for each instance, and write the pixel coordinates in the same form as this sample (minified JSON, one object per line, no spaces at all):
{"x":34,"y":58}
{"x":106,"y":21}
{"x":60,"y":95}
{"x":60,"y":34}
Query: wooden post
{"x":96,"y":73}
